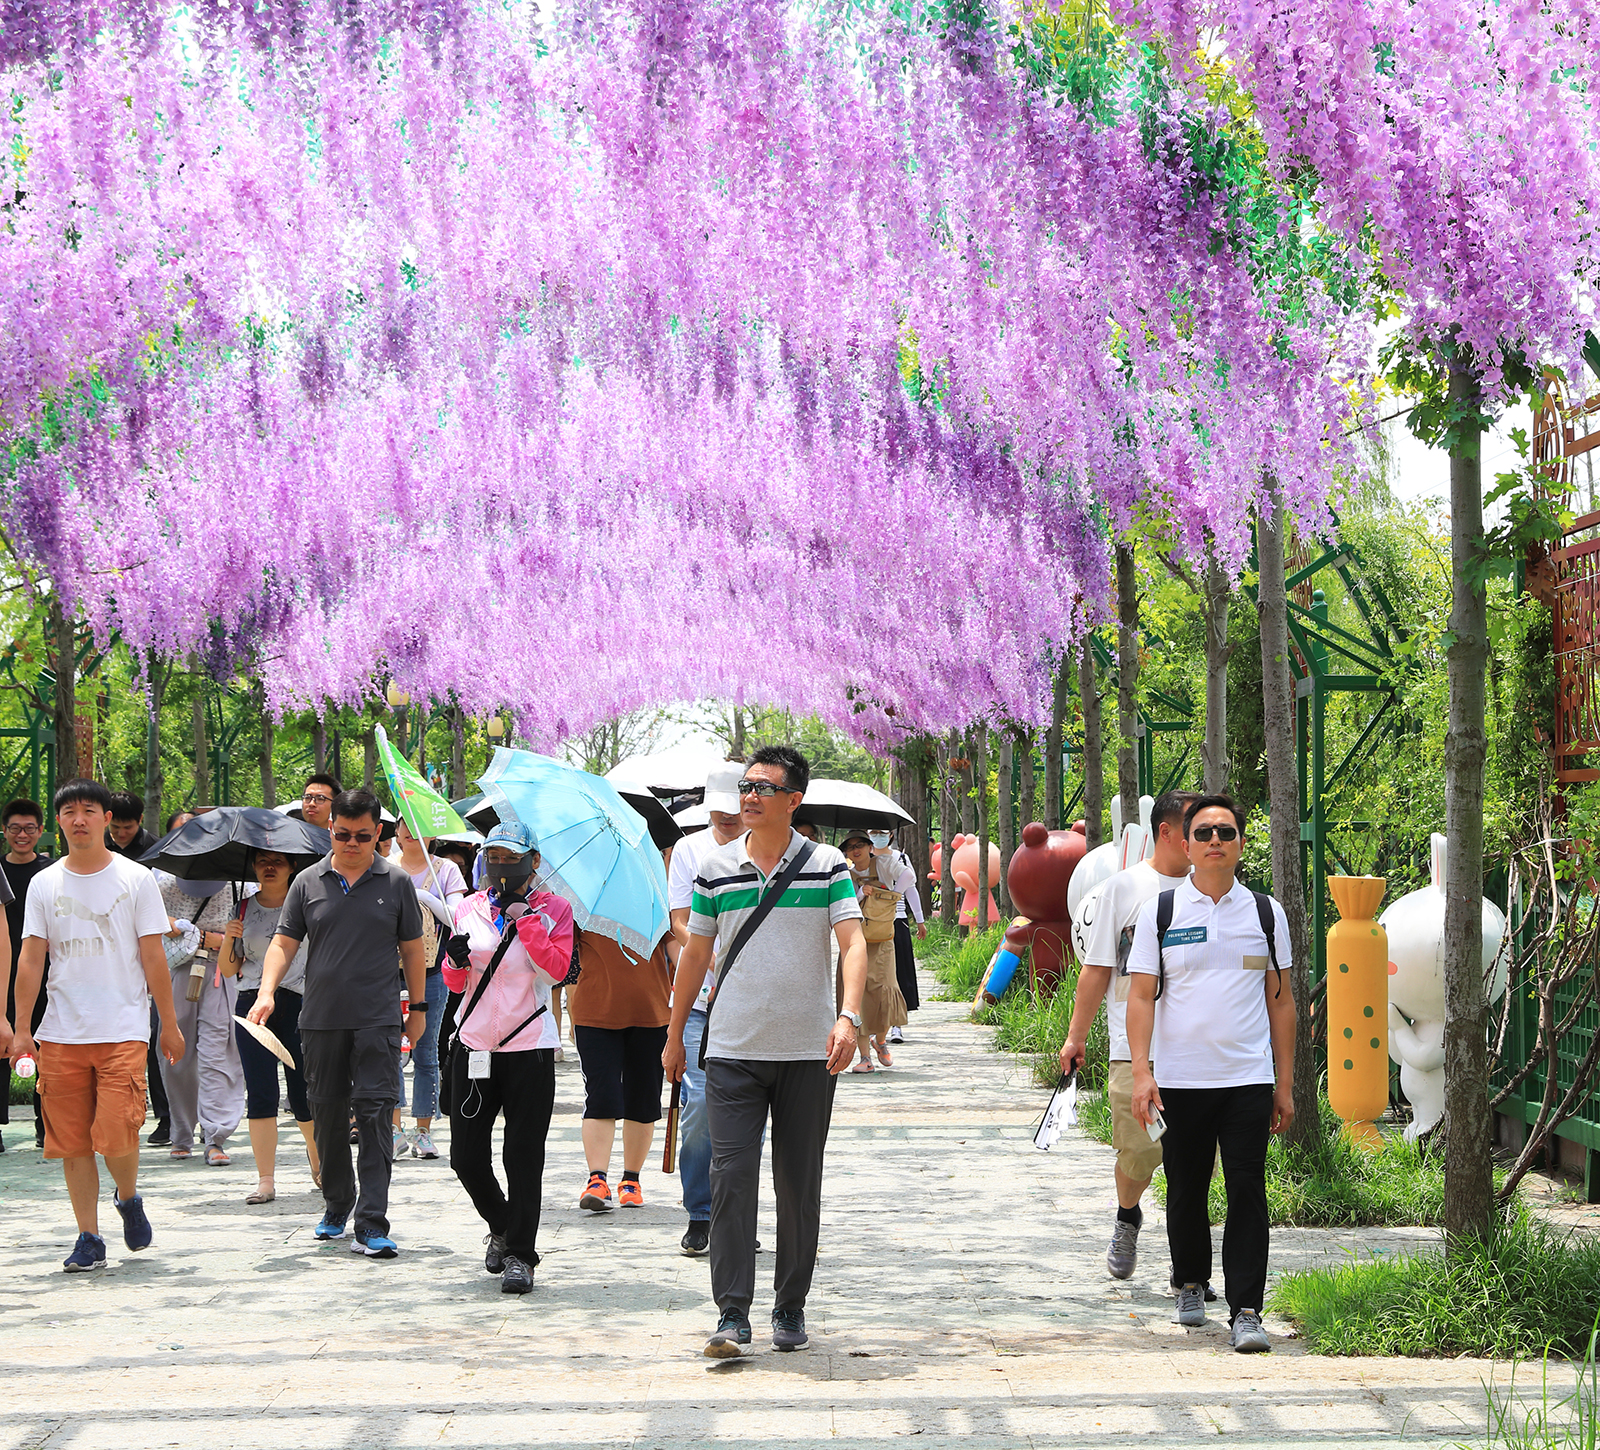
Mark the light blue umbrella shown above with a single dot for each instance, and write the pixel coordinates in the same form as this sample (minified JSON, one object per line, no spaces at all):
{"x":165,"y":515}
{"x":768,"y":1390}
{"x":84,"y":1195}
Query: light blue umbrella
{"x":594,"y":848}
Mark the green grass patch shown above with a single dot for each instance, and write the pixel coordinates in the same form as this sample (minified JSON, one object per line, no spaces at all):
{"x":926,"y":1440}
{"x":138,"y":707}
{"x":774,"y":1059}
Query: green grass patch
{"x":1094,"y":1116}
{"x":957,"y":961}
{"x":1334,"y":1184}
{"x":1554,"y":1421}
{"x":21,"y":1090}
{"x":1527,"y":1291}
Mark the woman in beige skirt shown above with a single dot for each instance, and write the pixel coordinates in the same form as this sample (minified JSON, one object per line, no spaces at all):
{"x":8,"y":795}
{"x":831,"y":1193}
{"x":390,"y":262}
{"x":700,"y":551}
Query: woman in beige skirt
{"x":882,"y":1005}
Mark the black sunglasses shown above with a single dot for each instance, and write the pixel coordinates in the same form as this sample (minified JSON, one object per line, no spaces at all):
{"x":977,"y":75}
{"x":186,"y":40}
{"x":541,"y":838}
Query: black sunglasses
{"x":764,"y":788}
{"x":1222,"y":833}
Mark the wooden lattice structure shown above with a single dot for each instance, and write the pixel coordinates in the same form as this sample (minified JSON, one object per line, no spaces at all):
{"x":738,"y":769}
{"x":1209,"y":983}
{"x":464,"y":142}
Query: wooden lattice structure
{"x":1563,"y":433}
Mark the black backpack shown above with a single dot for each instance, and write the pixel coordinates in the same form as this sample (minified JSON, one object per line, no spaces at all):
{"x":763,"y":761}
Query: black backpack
{"x":1164,"y":920}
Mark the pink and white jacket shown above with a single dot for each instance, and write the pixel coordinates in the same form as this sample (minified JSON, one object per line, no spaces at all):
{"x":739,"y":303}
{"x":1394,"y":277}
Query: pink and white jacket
{"x":540,"y":957}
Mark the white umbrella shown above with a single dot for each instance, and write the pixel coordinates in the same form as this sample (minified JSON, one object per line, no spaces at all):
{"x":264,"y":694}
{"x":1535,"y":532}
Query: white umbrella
{"x":848,"y":805}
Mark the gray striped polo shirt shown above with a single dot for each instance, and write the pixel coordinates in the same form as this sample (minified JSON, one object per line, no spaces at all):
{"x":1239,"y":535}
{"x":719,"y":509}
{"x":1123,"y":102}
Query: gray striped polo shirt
{"x":776,"y":1003}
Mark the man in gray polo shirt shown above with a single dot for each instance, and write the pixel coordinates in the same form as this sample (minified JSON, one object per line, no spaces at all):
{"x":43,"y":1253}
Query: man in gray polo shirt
{"x":773,"y":1040}
{"x":359,"y":916}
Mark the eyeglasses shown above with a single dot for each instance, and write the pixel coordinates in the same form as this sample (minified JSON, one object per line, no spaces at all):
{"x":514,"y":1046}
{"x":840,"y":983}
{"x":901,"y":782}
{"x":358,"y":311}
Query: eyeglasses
{"x":764,"y":788}
{"x":23,"y":828}
{"x":1223,"y":833}
{"x":361,"y":838}
{"x":310,"y":800}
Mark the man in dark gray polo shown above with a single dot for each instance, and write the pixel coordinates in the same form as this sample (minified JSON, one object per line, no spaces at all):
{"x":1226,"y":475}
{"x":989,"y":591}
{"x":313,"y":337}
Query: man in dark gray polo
{"x":360,"y":919}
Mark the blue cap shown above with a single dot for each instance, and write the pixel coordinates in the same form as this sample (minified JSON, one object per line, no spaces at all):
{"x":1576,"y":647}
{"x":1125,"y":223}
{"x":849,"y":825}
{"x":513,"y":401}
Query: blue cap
{"x":510,"y":836}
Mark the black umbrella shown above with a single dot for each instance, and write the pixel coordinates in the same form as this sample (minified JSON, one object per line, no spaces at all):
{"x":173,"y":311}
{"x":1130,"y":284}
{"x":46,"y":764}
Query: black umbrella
{"x":216,"y":846}
{"x":664,"y":831}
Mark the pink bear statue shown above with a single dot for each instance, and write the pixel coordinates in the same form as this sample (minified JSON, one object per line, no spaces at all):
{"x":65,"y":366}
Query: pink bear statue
{"x":964,"y":868}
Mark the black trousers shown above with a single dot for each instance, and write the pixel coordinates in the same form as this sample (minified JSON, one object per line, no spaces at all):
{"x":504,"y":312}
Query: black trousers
{"x":152,"y":1070}
{"x":905,"y":965}
{"x":522,"y":1087}
{"x":354,"y":1071}
{"x":739,"y":1095}
{"x":1199,"y":1122}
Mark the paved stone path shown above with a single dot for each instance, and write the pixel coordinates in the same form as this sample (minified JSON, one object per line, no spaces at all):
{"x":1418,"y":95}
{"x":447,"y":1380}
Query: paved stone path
{"x":961,"y":1298}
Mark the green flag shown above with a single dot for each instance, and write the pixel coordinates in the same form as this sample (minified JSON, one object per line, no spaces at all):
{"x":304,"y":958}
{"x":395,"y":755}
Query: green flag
{"x":425,"y":811}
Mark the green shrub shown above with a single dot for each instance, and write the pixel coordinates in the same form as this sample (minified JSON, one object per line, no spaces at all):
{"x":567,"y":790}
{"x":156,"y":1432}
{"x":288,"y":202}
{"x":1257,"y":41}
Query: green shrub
{"x":958,"y":963}
{"x":21,"y":1090}
{"x":1529,"y":1290}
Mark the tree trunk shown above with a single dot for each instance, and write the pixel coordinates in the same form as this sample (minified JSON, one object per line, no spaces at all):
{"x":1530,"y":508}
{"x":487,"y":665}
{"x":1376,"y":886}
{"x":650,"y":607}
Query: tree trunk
{"x":948,"y":908}
{"x":1214,"y":613}
{"x":64,"y":663}
{"x":369,"y":761}
{"x":458,"y":753}
{"x":912,"y":778}
{"x":202,"y":762}
{"x":969,"y":800}
{"x":980,"y":779}
{"x":154,"y":780}
{"x":269,"y":784}
{"x":1283,"y":794}
{"x":1468,"y":1175}
{"x":1008,"y":824}
{"x":1127,"y":684}
{"x":1094,"y":766}
{"x":319,"y":745}
{"x":1029,"y":805}
{"x":1052,"y":749}
{"x":736,"y":743}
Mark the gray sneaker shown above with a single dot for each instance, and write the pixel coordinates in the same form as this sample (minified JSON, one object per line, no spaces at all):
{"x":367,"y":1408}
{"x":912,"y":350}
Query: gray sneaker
{"x":1124,"y":1251}
{"x":1248,"y":1336}
{"x":789,"y":1330}
{"x":1191,"y":1305}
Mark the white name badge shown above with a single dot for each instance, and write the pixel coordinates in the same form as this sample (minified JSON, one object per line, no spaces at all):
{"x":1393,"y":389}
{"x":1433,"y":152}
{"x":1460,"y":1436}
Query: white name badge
{"x":477,"y":1064}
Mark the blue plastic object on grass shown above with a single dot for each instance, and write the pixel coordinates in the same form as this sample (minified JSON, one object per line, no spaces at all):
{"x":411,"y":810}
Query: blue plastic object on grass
{"x":1002,"y":968}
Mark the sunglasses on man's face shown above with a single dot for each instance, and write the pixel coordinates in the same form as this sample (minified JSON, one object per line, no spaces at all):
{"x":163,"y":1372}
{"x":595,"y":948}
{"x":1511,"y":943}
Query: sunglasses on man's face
{"x":1222,"y":833}
{"x":361,"y":838}
{"x":764,"y":788}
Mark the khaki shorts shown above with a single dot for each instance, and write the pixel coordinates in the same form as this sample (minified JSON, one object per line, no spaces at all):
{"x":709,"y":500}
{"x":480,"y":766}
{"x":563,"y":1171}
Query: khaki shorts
{"x":1137,"y":1156}
{"x":92,"y":1096}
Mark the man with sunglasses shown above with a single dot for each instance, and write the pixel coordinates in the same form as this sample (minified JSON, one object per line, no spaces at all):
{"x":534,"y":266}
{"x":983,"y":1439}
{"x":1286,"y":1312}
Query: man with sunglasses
{"x":354,"y":910}
{"x":1210,"y":985}
{"x":773,"y":1040}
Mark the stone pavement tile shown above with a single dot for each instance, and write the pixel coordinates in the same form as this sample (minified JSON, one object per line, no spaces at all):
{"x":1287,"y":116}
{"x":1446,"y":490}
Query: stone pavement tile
{"x":960,"y":1298}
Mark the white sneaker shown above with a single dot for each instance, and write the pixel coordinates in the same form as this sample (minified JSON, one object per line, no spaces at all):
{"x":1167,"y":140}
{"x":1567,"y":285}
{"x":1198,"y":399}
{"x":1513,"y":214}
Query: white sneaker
{"x":402,"y":1143}
{"x":561,"y":1054}
{"x":894,"y":1036}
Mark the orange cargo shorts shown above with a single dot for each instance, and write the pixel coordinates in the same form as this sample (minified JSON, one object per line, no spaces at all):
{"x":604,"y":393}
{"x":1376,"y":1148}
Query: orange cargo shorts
{"x":92,"y":1095}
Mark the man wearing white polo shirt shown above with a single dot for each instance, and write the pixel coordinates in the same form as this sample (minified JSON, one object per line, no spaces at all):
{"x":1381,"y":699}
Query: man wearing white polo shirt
{"x":1210,"y":986}
{"x":694,"y":1155}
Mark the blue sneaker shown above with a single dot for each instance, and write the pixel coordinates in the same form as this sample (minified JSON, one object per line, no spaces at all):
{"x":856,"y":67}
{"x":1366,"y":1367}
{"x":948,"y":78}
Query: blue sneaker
{"x":329,"y":1228}
{"x":88,"y":1253}
{"x":136,"y":1230}
{"x":374,"y":1246}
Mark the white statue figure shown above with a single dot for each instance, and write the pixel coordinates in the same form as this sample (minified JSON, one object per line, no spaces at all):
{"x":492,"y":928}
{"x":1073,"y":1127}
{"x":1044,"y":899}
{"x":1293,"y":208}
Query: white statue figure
{"x":1415,"y":924}
{"x":1125,"y":848}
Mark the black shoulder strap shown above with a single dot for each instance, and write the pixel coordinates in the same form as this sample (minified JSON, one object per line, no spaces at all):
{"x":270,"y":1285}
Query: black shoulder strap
{"x":780,"y":883}
{"x":1163,"y":921}
{"x":1269,"y":930}
{"x":508,"y":936}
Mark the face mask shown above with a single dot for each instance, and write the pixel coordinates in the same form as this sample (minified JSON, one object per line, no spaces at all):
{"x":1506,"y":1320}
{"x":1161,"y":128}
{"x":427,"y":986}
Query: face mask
{"x":879,"y":839}
{"x":508,"y":878}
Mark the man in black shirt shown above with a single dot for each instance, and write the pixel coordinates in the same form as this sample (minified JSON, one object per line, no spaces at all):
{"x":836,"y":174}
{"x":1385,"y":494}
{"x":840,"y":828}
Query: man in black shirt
{"x":23,"y":822}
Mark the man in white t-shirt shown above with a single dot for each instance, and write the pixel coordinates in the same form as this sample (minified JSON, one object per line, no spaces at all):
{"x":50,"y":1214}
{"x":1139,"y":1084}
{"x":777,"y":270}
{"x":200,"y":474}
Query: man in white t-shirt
{"x":100,"y":919}
{"x":694,"y":1153}
{"x":1212,"y":993}
{"x":1109,"y":918}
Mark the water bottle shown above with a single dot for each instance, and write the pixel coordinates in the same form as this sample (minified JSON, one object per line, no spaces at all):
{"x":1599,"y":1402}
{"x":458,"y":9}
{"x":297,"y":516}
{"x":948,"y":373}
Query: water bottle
{"x":197,"y":976}
{"x":24,"y":1067}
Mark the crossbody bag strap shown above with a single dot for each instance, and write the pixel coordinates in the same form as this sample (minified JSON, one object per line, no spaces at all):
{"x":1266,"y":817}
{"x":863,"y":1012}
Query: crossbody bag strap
{"x":531,"y":1017}
{"x":1269,"y":929}
{"x":769,"y":899}
{"x":506,"y":938}
{"x":1163,"y":921}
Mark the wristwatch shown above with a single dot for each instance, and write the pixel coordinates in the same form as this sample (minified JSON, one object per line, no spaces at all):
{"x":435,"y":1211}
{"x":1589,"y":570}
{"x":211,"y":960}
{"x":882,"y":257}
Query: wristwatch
{"x":853,"y":1018}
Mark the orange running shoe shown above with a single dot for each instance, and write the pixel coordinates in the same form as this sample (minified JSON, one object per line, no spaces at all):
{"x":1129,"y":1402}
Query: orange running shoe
{"x":597,"y":1196}
{"x":630,"y":1194}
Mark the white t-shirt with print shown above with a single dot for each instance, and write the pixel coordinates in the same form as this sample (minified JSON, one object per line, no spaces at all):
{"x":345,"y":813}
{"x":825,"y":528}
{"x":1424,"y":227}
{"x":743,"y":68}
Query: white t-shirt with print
{"x":93,"y":924}
{"x":1113,"y":909}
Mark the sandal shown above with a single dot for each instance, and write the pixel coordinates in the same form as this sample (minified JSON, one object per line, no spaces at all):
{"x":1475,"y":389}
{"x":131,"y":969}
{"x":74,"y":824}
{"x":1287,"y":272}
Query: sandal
{"x":864,"y":1066}
{"x":216,"y":1158}
{"x":180,"y":1152}
{"x":263,"y":1194}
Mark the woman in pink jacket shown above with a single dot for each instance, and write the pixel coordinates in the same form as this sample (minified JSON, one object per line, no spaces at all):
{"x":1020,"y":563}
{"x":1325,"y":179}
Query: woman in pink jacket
{"x":513,"y":943}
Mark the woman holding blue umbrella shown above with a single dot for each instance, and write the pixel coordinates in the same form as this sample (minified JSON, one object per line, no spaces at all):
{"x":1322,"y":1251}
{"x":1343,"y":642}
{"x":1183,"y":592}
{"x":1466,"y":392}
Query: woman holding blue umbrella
{"x":513,"y":943}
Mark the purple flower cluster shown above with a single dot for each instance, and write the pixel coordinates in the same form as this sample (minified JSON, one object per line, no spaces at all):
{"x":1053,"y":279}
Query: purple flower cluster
{"x":572,"y":360}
